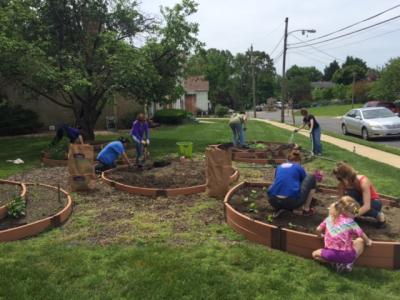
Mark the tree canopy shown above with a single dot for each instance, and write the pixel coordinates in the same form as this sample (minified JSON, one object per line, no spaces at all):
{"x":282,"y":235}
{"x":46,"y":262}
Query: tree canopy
{"x":78,"y":53}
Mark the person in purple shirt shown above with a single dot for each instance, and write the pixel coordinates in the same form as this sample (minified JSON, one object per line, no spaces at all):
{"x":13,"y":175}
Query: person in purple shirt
{"x":140,"y":135}
{"x":74,"y":134}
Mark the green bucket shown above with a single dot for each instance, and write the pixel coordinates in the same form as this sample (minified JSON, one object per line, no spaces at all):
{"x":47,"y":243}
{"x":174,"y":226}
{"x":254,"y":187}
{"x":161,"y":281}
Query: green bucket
{"x":185,"y":149}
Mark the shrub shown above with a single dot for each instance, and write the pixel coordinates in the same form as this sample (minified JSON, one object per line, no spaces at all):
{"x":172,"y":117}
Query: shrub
{"x":170,"y":116}
{"x":60,"y":150}
{"x":127,"y":120}
{"x":18,"y":120}
{"x":221,"y":111}
{"x":16,"y":208}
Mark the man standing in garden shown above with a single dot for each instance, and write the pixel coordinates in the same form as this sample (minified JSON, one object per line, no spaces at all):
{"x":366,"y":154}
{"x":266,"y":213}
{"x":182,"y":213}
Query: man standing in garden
{"x":140,"y":135}
{"x":237,"y":122}
{"x":110,"y":153}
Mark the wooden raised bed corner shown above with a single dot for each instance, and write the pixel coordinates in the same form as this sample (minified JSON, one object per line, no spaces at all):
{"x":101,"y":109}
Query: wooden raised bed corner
{"x":3,"y":209}
{"x":380,"y":255}
{"x":34,"y":228}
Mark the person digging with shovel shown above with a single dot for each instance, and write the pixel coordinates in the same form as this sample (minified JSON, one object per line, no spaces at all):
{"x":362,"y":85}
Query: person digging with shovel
{"x":141,"y":137}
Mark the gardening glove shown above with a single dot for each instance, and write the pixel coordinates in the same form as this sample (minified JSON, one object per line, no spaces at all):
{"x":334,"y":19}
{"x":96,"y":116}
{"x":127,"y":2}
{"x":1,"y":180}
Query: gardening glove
{"x":148,"y":142}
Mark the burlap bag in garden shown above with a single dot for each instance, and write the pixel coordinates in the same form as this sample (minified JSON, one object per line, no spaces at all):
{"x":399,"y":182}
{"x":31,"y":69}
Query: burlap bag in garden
{"x":81,"y":167}
{"x":218,"y":172}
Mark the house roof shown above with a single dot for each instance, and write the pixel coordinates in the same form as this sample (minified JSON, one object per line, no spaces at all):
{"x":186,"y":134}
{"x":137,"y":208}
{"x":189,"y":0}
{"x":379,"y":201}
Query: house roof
{"x":322,"y":84}
{"x":196,"y":84}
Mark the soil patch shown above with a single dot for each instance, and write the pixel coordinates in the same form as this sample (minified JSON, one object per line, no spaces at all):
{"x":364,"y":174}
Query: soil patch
{"x":253,"y":202}
{"x":8,"y":192}
{"x":174,"y":175}
{"x":41,"y":202}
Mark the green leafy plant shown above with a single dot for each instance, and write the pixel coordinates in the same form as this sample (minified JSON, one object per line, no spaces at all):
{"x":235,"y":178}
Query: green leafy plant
{"x":221,"y":111}
{"x":16,"y":208}
{"x":292,"y":226}
{"x":269,"y":218}
{"x":59,"y":151}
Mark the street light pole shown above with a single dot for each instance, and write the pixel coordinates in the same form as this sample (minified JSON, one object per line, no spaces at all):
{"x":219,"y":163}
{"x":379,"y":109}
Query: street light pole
{"x":284,"y":82}
{"x":253,"y":81}
{"x":284,"y":71}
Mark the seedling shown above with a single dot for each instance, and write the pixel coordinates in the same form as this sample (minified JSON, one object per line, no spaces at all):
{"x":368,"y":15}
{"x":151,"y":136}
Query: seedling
{"x":269,"y":218}
{"x":253,"y":207}
{"x":246,"y":199}
{"x":292,"y":226}
{"x":16,"y":208}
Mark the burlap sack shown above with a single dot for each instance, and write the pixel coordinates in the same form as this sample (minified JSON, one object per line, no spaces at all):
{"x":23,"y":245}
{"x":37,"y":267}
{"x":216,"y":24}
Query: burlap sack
{"x":80,"y":183}
{"x":80,"y":159}
{"x":218,"y":171}
{"x":81,"y":167}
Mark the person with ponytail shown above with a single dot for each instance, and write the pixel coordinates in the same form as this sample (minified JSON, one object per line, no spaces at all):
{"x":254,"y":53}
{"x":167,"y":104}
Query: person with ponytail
{"x":339,"y":230}
{"x":362,"y":190}
{"x":292,"y":187}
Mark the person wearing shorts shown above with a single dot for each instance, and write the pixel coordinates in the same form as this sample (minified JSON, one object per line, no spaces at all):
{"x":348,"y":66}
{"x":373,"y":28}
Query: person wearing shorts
{"x":292,"y":187}
{"x":339,"y":229}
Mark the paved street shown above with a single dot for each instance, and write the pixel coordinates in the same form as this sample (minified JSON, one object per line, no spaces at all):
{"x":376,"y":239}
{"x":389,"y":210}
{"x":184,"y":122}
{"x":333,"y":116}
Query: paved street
{"x":327,"y":123}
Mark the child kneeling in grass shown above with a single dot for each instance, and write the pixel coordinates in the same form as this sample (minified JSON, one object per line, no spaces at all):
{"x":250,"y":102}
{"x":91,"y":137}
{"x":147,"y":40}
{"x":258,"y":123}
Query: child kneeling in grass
{"x":339,"y":229}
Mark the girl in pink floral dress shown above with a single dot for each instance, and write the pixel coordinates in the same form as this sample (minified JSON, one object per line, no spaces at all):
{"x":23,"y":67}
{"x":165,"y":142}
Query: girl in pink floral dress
{"x":339,"y":230}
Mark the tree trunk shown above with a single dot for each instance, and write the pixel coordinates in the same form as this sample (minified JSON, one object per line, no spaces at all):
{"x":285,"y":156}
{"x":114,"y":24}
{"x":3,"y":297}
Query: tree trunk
{"x":87,"y":119}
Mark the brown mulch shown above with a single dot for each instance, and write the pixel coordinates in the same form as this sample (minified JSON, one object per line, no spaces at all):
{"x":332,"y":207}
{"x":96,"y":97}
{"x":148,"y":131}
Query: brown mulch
{"x":174,"y":175}
{"x":253,"y":202}
{"x":8,"y":192}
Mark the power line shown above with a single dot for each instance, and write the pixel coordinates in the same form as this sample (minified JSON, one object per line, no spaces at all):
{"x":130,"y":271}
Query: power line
{"x":313,"y":58}
{"x":278,"y":55}
{"x":349,"y":33}
{"x":352,"y":25}
{"x":360,"y":41}
{"x":273,"y":30}
{"x":319,"y":50}
{"x":272,"y":52}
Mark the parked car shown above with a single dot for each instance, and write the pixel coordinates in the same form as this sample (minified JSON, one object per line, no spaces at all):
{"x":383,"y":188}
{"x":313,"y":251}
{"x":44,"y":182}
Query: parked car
{"x":278,"y":104}
{"x":389,"y":105}
{"x":259,"y":108}
{"x":371,"y":122}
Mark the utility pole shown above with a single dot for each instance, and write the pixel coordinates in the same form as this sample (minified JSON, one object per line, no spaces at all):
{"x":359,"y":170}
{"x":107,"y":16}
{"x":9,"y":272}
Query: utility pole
{"x":284,"y":86}
{"x":352,"y":92}
{"x":253,"y":81}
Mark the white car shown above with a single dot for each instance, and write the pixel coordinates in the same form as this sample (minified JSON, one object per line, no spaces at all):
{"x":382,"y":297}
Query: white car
{"x":371,"y":122}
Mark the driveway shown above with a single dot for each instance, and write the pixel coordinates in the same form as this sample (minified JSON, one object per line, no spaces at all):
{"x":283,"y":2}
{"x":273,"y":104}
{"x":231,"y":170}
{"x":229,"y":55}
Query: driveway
{"x":327,"y":123}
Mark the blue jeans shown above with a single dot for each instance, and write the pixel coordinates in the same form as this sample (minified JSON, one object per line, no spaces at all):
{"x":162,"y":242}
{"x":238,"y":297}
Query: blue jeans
{"x":139,"y":151}
{"x":376,"y":204}
{"x":316,"y":140}
{"x":238,"y":134}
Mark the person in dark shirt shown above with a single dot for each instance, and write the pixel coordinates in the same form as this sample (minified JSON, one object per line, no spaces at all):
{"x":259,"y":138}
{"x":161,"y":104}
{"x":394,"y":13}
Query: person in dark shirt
{"x":73,"y":134}
{"x":315,"y":131}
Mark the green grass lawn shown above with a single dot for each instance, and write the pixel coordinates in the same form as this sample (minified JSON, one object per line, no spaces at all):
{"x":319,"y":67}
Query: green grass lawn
{"x":331,"y":110}
{"x":154,"y":261}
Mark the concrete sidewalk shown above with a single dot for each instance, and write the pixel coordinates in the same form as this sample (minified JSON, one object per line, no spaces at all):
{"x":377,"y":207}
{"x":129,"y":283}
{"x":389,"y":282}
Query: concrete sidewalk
{"x":371,"y":153}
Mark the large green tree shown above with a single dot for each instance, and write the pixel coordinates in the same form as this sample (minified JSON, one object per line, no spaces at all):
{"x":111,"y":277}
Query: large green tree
{"x":388,"y":85}
{"x":309,"y":73}
{"x":330,"y":70}
{"x":78,"y":53}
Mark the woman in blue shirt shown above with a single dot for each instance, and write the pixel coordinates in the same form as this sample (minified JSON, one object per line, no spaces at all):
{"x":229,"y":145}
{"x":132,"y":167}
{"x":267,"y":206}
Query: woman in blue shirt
{"x":110,"y":153}
{"x":292,"y":187}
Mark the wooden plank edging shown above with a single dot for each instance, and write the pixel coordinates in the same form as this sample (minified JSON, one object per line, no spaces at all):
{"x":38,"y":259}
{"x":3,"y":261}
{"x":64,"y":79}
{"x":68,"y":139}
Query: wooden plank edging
{"x":381,"y":254}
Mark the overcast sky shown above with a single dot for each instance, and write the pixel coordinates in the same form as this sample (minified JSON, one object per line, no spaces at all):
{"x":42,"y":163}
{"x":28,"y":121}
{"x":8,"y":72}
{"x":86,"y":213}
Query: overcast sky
{"x":236,"y":24}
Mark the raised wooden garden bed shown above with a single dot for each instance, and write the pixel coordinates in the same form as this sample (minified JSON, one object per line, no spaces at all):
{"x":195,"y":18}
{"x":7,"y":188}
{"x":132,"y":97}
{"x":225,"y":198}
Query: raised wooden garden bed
{"x":270,"y":152}
{"x":19,"y":231}
{"x":157,"y":191}
{"x":21,"y":192}
{"x":382,"y":254}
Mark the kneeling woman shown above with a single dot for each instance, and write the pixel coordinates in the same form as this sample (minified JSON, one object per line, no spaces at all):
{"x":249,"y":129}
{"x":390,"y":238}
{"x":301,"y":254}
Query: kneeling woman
{"x":361,"y":189}
{"x":292,"y":187}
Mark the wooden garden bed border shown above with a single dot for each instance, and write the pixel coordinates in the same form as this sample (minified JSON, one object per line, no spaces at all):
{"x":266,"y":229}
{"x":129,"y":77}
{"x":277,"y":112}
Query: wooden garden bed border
{"x":379,"y":255}
{"x":39,"y":226}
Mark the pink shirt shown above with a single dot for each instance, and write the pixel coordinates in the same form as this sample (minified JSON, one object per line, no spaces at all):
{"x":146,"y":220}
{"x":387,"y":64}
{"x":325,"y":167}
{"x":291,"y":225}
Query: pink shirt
{"x":339,"y":235}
